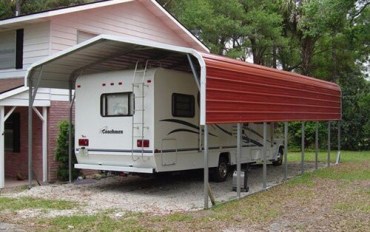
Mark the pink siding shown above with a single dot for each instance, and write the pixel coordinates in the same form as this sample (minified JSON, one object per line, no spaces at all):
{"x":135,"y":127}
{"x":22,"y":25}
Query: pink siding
{"x":130,"y":19}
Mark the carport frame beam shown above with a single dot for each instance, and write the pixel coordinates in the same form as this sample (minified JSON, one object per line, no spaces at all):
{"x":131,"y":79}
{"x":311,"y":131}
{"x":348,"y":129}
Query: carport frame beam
{"x":206,"y":166}
{"x":316,"y":145}
{"x":302,"y":147}
{"x":329,"y":144}
{"x":2,"y":147}
{"x":285,"y":155}
{"x":264,"y":172}
{"x":31,"y":99}
{"x":238,"y":159}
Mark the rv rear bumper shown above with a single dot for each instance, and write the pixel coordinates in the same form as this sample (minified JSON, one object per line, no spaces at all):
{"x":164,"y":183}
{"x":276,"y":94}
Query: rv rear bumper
{"x":114,"y":168}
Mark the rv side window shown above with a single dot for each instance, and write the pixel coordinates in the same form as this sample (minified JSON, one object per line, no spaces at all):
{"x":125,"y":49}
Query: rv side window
{"x":116,"y":104}
{"x":183,"y":105}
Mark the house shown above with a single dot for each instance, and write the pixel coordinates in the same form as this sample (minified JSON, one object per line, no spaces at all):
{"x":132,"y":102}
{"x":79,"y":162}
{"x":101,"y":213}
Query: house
{"x":27,"y":39}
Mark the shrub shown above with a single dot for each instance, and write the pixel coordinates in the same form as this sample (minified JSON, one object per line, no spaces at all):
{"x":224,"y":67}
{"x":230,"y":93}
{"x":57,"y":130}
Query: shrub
{"x":62,"y":153}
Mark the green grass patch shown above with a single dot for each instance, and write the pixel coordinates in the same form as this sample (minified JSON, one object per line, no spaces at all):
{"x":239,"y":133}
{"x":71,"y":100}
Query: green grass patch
{"x":352,"y":207}
{"x":179,"y":217}
{"x":7,"y":203}
{"x":99,"y":222}
{"x":346,"y":156}
{"x":256,"y":208}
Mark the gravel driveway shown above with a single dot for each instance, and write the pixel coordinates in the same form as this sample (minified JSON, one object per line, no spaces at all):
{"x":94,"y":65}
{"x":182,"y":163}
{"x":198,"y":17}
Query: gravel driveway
{"x":157,"y":195}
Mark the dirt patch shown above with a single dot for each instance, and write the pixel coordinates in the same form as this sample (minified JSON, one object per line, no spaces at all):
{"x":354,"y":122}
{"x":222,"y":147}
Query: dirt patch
{"x":174,"y":203}
{"x":161,"y":195}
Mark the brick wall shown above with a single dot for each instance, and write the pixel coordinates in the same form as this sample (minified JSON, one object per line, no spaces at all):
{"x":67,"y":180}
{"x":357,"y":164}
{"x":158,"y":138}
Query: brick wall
{"x":58,"y":112}
{"x":16,"y":163}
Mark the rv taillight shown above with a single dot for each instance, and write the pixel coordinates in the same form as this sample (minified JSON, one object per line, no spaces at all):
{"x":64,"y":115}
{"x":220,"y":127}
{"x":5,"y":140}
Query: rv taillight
{"x":83,"y":142}
{"x":142,"y":143}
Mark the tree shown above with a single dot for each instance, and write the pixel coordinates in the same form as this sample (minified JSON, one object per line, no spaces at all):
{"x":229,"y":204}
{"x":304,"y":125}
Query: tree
{"x":327,"y":39}
{"x":8,"y":7}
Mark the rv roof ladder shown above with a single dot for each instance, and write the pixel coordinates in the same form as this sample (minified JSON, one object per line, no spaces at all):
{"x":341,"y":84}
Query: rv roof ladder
{"x":138,"y":90}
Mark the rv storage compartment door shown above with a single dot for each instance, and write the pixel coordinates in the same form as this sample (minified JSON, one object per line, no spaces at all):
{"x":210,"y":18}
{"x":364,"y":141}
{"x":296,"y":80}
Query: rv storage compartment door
{"x":169,"y":151}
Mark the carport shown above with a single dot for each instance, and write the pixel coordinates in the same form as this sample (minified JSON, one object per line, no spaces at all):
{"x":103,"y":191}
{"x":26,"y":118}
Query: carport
{"x":231,"y":91}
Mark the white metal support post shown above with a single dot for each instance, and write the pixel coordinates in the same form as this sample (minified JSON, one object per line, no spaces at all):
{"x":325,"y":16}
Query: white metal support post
{"x":30,"y":147}
{"x":264,"y":155}
{"x":2,"y":147}
{"x":45,"y":145}
{"x":285,"y":155}
{"x":70,"y":136}
{"x":302,"y":148}
{"x":329,"y":137}
{"x":43,"y":118}
{"x":339,"y":134}
{"x":238,"y":159}
{"x":316,"y":144}
{"x":206,"y":166}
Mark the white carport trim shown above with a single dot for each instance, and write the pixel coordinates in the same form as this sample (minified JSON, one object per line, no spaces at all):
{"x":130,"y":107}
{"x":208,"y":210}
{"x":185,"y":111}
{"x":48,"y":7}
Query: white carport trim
{"x":14,"y":103}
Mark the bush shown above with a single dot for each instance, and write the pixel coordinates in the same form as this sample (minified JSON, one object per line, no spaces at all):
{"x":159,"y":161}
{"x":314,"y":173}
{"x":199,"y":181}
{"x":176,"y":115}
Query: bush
{"x":62,"y":153}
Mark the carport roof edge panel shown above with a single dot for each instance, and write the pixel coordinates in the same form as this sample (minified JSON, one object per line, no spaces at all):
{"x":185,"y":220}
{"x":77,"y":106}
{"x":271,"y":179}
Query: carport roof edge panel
{"x":237,"y":91}
{"x":67,"y":59}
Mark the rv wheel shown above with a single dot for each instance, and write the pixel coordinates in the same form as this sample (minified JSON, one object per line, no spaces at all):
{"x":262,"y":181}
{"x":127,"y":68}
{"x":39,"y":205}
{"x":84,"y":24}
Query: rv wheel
{"x":279,"y":160}
{"x":222,"y":170}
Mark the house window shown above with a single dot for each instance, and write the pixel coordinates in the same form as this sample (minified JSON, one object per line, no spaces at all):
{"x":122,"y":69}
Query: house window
{"x":183,"y":105}
{"x":12,"y":133}
{"x":116,"y":104}
{"x":11,"y":49}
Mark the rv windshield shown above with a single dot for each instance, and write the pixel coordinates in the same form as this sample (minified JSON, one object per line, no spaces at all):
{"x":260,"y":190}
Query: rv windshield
{"x":116,"y":104}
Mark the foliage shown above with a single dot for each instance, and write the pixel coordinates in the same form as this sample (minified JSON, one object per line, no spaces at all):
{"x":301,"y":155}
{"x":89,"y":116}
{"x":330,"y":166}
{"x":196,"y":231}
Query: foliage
{"x":62,"y":154}
{"x":326,"y":39}
{"x":8,"y":7}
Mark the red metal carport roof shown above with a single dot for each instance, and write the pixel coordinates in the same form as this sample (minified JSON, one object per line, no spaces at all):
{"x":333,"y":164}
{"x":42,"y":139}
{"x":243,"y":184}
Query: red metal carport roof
{"x":240,"y":92}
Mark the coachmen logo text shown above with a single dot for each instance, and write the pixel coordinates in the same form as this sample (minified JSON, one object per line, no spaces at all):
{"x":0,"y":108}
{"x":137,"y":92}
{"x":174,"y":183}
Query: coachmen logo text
{"x":105,"y":130}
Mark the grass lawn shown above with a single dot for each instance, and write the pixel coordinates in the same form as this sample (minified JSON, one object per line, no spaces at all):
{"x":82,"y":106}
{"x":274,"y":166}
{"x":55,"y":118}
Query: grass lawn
{"x":329,"y":199}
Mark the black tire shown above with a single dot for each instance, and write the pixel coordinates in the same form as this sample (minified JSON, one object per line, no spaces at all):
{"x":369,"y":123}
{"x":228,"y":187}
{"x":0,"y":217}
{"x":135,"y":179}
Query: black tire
{"x":279,"y":161}
{"x":220,"y":173}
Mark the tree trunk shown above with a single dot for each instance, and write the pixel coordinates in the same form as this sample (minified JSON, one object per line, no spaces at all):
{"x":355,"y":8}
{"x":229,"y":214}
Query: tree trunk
{"x":17,"y":7}
{"x":307,"y":46}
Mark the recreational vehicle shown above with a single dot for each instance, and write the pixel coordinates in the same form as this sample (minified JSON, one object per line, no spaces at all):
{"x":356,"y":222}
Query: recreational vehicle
{"x":147,"y":121}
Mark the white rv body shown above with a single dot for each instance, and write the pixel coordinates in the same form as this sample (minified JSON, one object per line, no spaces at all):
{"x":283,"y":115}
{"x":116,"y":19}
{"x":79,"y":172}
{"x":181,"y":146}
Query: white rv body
{"x":160,"y":111}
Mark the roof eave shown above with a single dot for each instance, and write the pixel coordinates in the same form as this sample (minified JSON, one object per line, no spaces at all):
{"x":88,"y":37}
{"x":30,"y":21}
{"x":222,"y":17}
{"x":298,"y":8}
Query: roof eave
{"x":44,"y":16}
